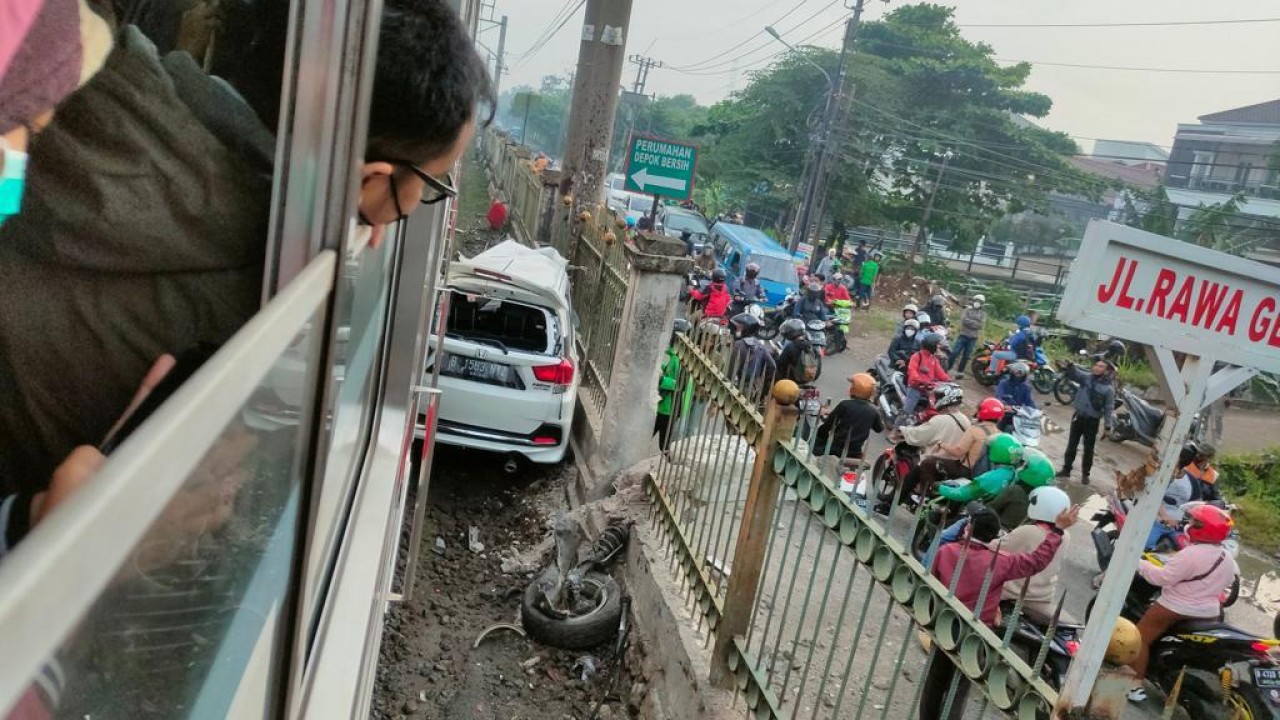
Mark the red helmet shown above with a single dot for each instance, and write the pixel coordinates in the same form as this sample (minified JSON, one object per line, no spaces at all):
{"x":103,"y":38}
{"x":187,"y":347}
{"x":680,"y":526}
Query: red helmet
{"x":990,"y":410}
{"x":1208,"y":524}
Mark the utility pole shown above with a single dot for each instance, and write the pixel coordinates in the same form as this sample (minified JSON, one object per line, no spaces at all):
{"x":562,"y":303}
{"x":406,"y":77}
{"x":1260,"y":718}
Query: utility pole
{"x":595,"y":96}
{"x":643,"y":66}
{"x":497,"y":63}
{"x":928,"y":209}
{"x":836,"y":100}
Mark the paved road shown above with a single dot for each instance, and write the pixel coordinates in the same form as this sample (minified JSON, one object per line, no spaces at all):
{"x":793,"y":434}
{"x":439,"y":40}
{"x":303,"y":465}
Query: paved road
{"x":1260,"y":583}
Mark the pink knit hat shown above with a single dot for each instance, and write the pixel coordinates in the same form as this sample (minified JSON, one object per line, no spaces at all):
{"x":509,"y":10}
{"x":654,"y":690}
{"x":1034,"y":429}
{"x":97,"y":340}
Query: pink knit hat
{"x":65,"y":44}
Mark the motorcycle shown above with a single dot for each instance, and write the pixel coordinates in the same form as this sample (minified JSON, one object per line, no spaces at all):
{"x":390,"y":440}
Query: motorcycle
{"x":774,"y":317}
{"x":1225,"y":672}
{"x":1107,"y":524}
{"x":1042,"y":376}
{"x":838,"y":329}
{"x":891,"y":390}
{"x":1140,"y":421}
{"x":816,"y":330}
{"x":1026,"y":424}
{"x":1029,"y":637}
{"x":897,"y":460}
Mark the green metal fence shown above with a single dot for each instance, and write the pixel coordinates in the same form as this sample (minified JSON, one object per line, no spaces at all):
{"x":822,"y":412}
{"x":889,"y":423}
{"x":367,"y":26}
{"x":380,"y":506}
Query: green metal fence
{"x":814,"y":604}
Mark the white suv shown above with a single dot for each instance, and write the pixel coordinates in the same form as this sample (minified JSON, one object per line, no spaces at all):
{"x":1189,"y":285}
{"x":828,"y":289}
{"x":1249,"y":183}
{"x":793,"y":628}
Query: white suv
{"x":509,"y":372}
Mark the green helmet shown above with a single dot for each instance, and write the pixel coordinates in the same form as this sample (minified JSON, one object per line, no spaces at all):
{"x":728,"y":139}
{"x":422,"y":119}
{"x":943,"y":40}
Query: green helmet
{"x":1004,"y":449}
{"x":1037,"y":470}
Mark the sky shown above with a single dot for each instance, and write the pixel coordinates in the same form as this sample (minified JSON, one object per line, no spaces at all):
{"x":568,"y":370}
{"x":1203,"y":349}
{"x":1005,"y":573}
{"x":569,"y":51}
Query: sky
{"x":709,"y":48}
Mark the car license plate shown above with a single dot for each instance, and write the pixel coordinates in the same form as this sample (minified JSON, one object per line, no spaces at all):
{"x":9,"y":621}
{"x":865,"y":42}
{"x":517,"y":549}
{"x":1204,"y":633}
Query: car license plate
{"x":1266,"y":678}
{"x":473,"y":369}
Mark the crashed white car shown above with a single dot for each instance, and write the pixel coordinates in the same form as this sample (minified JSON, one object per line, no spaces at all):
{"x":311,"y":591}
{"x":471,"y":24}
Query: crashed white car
{"x":509,"y":370}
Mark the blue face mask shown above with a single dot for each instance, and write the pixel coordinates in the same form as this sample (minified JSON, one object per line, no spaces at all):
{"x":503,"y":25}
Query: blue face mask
{"x":13,"y":175}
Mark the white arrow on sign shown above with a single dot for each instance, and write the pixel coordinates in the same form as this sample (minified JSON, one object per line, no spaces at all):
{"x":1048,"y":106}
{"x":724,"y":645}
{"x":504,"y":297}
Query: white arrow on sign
{"x":643,"y":179}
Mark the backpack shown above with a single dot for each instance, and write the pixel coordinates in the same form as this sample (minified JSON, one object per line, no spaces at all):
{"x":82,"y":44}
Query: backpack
{"x":984,"y":463}
{"x":806,"y":368}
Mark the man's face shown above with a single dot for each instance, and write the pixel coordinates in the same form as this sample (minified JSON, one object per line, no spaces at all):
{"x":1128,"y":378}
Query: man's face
{"x":377,"y":203}
{"x":1099,"y":369}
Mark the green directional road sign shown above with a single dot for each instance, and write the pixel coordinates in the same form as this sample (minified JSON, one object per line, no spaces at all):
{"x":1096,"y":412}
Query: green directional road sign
{"x":661,"y":167}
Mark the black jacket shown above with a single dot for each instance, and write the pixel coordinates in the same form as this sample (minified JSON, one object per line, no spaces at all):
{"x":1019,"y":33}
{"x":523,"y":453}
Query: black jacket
{"x":903,"y":347}
{"x":847,"y":427}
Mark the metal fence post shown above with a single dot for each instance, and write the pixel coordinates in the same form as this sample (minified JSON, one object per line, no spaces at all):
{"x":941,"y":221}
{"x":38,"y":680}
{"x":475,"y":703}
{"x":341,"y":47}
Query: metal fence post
{"x":972,"y":255}
{"x":753,"y":534}
{"x":1014,"y":275}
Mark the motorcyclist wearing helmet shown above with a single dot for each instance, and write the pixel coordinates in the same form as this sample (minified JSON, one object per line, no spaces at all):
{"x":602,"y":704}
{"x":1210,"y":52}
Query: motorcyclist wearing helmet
{"x":1204,"y":477}
{"x":813,"y":305}
{"x":1190,"y":583}
{"x":1170,"y":515}
{"x":1036,"y":471}
{"x":924,"y":371}
{"x":1004,"y":459}
{"x":706,"y":262}
{"x":751,"y":364}
{"x":846,"y":428}
{"x":972,"y":320}
{"x":909,"y":312}
{"x":1043,"y":507}
{"x":668,"y":383}
{"x":836,"y":290}
{"x":974,"y":444}
{"x":749,"y":287}
{"x":935,"y":436}
{"x":905,"y":344}
{"x":1021,"y":345}
{"x":1014,"y":391}
{"x":796,"y":341}
{"x":937,"y":309}
{"x":978,"y":571}
{"x":1094,"y":402}
{"x":715,"y":299}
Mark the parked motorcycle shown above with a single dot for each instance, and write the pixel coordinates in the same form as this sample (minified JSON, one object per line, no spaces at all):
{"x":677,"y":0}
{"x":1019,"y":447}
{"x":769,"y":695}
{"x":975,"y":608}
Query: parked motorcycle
{"x":838,"y":329}
{"x":1226,"y":672}
{"x":1140,"y":421}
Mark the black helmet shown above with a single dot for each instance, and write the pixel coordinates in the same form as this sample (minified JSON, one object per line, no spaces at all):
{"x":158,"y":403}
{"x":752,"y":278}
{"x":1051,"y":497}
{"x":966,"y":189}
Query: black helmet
{"x":792,"y":329}
{"x":745,"y":325}
{"x":1116,"y":349}
{"x":718,"y":275}
{"x":681,"y":326}
{"x":930,"y":342}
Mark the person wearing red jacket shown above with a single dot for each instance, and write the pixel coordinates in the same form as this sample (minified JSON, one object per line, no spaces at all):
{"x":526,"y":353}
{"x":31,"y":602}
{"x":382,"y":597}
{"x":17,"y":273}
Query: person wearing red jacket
{"x":965,"y":565}
{"x":715,"y":299}
{"x":924,"y":370}
{"x":835,"y":290}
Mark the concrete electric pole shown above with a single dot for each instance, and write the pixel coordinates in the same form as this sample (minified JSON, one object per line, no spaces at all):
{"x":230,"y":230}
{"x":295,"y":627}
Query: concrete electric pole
{"x":815,"y":187}
{"x":643,"y":66}
{"x":595,"y":96}
{"x":497,"y":63}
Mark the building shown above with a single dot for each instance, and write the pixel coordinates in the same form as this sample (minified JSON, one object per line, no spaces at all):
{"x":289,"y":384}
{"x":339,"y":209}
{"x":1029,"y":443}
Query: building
{"x":1128,"y":152}
{"x":1229,"y":152}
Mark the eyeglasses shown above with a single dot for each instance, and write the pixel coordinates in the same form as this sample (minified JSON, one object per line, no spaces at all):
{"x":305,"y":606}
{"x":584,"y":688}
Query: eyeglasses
{"x":436,"y":189}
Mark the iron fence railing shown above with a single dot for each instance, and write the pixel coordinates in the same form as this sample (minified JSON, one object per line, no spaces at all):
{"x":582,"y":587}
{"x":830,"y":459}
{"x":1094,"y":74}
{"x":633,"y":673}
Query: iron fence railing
{"x":815,"y":605}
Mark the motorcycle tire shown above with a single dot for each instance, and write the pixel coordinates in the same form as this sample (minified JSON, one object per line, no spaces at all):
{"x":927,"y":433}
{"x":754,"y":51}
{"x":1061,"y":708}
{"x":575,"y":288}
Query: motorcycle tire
{"x":926,"y":529}
{"x":1248,"y":703}
{"x":1064,"y":390}
{"x":884,"y":481}
{"x":979,"y":369}
{"x":1043,"y":380}
{"x":576,"y":632}
{"x":1204,"y":699}
{"x":1233,"y":593}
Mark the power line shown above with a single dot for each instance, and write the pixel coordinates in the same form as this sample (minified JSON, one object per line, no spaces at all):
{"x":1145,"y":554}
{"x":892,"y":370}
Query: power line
{"x":753,"y":36}
{"x":1168,"y":23}
{"x":762,"y":60}
{"x":1188,"y":71}
{"x":707,"y":65}
{"x":537,"y":46}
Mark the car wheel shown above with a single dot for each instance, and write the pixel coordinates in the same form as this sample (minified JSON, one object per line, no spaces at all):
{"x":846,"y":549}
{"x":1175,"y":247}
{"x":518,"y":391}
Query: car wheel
{"x":594,"y":626}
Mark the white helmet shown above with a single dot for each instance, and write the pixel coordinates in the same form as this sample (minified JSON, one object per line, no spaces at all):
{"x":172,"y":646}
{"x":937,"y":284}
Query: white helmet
{"x":912,"y":307}
{"x":924,"y":319}
{"x":980,"y":298}
{"x":911,"y":323}
{"x":755,"y":311}
{"x":1047,"y":503}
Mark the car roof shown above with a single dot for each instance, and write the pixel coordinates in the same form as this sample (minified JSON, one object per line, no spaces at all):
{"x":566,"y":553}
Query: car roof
{"x":543,"y":271}
{"x":754,"y":239}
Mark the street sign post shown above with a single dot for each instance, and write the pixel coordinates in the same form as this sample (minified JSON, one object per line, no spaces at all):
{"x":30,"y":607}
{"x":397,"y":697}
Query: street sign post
{"x":1174,"y":297}
{"x":661,"y":167}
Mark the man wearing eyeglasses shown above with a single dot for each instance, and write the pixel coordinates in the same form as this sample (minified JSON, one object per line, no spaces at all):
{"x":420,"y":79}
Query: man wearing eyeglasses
{"x":158,"y":244}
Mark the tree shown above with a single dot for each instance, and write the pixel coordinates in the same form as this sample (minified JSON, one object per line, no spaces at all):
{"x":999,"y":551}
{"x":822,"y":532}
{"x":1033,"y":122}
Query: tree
{"x":671,"y":118}
{"x":924,"y":96}
{"x":548,"y":112}
{"x":1032,"y":230}
{"x":1224,"y":227}
{"x":1150,"y":211}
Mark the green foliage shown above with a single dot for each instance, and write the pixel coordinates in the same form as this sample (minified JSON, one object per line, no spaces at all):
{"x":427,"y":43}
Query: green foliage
{"x":713,"y":196}
{"x":548,"y":113}
{"x":1150,"y":211}
{"x":1136,"y":372}
{"x":1031,"y":229}
{"x":1003,"y":304}
{"x":925,"y":95}
{"x":1253,"y":483}
{"x":672,"y":117}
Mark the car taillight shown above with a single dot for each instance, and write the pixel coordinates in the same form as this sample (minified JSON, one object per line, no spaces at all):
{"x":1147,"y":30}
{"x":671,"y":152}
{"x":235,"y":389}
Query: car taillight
{"x":1072,"y":646}
{"x":1266,"y":648}
{"x":544,"y":440}
{"x":561,"y":374}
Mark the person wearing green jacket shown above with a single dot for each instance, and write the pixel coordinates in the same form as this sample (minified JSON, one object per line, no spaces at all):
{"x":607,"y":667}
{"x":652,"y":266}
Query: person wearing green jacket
{"x":667,"y":385}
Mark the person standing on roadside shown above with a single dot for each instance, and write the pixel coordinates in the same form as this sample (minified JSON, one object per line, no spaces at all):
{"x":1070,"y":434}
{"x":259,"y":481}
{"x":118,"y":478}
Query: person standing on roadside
{"x":867,"y":277}
{"x":1094,"y":401}
{"x":972,"y":320}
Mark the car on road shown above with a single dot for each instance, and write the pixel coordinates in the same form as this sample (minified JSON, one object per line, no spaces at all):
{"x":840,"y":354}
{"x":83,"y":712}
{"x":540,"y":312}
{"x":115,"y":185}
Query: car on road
{"x":624,"y":202}
{"x":674,"y":220}
{"x":509,"y":366}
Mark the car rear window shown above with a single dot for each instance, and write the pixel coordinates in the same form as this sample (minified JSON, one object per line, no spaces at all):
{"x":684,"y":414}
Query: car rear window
{"x":775,"y":269}
{"x":502,"y":323}
{"x":681,"y":222}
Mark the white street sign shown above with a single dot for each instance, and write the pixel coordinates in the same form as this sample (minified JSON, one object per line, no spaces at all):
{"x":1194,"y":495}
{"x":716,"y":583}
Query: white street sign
{"x":647,"y":182}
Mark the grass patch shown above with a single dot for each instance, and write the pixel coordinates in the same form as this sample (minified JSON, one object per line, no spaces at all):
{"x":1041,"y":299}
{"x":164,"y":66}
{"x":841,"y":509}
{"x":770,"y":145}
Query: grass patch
{"x":879,"y":321}
{"x":1253,"y":483}
{"x":1136,"y":373}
